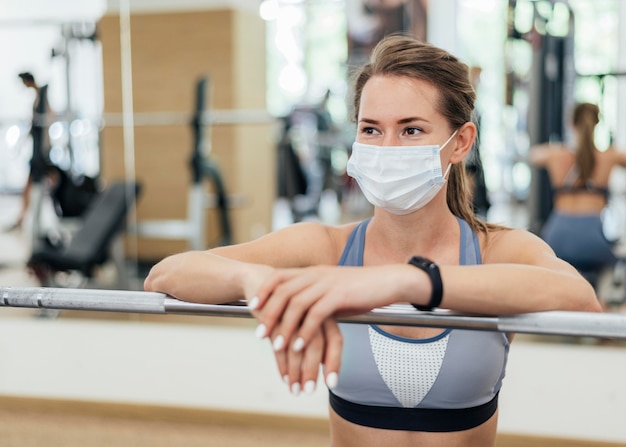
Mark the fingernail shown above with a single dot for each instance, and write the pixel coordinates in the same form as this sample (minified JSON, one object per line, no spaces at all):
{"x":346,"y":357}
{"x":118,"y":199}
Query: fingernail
{"x":253,"y":303}
{"x":309,"y":387}
{"x":295,"y":388}
{"x":260,"y":331}
{"x":286,"y":379}
{"x":298,"y":344}
{"x":278,"y":343}
{"x":331,"y":380}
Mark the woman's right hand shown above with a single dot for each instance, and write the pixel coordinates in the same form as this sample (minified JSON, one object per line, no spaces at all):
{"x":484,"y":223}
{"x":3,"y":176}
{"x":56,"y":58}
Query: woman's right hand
{"x":300,"y":369}
{"x":204,"y":277}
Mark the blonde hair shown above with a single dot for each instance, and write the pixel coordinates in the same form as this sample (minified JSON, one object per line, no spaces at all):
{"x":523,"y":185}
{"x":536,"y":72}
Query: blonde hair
{"x":398,"y":55}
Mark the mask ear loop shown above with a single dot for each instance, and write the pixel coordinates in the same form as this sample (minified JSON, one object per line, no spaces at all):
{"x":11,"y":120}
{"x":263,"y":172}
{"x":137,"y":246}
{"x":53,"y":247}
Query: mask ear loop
{"x":445,"y":174}
{"x":448,"y":140}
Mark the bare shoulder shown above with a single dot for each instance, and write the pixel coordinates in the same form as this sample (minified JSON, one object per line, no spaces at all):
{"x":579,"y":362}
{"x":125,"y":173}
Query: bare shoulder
{"x":541,"y":154}
{"x":513,"y":245}
{"x":317,"y":233}
{"x":616,"y":156}
{"x":297,"y":245}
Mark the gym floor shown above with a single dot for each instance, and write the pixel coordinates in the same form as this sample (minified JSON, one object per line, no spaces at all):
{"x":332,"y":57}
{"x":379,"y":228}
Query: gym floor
{"x":28,"y":428}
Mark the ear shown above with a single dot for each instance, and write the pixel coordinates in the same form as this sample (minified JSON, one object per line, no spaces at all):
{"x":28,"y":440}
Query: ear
{"x":464,"y":141}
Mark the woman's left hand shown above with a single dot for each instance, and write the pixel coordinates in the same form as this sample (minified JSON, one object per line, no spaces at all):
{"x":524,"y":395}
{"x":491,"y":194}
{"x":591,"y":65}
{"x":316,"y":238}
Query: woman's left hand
{"x":294,"y":303}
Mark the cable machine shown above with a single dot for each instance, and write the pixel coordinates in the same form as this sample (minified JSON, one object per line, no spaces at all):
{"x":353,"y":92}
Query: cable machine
{"x":202,"y":168}
{"x":551,"y":91}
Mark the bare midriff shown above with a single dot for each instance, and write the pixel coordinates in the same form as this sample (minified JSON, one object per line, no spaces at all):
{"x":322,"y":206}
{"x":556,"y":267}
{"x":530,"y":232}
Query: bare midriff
{"x":579,"y":202}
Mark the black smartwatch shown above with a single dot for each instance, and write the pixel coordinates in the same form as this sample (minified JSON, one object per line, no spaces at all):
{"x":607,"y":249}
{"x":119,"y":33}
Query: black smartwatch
{"x":435,"y":280}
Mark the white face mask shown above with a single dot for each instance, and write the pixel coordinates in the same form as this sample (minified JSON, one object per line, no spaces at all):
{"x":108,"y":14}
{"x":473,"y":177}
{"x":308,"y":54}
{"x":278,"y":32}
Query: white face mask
{"x":399,"y":179}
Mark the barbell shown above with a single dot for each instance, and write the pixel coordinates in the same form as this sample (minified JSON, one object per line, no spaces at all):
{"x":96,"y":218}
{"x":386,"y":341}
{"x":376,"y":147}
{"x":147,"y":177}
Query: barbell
{"x":568,"y":323}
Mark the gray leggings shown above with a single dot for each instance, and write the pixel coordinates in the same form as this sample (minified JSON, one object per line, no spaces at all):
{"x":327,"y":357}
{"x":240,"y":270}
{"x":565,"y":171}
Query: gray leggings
{"x":579,"y":240}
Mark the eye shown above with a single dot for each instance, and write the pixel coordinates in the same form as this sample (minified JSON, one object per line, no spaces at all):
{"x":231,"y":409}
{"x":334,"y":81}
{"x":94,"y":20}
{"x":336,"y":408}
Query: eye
{"x":368,"y":130}
{"x":412,"y":131}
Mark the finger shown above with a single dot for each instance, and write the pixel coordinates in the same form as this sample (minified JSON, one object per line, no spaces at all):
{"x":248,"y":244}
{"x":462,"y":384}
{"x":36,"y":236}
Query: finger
{"x":333,"y":351}
{"x":297,"y":308}
{"x":312,"y":320}
{"x":277,"y":340}
{"x":265,"y":290}
{"x":294,"y":368}
{"x":281,"y":359}
{"x":281,"y":363}
{"x":311,"y":361}
{"x":274,"y":307}
{"x":290,"y":300}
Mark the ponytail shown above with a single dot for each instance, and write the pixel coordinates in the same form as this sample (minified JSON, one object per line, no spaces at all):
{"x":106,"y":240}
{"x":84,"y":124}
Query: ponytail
{"x":585,"y":119}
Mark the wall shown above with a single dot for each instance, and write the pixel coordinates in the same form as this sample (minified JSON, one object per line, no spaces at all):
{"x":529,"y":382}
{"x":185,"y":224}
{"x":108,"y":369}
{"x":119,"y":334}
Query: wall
{"x":170,"y":51}
{"x":555,"y":390}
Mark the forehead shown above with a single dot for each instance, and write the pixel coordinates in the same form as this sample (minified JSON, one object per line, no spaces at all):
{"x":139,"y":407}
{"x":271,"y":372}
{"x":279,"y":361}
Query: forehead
{"x":399,"y":96}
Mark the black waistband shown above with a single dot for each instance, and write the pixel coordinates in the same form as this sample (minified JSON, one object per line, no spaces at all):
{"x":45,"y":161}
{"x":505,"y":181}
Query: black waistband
{"x":414,"y":419}
{"x":573,"y":189}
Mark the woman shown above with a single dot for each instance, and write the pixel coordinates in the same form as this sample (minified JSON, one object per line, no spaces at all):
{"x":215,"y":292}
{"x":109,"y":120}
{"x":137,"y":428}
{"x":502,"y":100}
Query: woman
{"x":400,"y":386}
{"x":39,"y":134}
{"x":579,"y":178}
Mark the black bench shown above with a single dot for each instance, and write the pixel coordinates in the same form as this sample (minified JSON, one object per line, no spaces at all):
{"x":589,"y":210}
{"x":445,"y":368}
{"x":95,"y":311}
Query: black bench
{"x":91,"y":245}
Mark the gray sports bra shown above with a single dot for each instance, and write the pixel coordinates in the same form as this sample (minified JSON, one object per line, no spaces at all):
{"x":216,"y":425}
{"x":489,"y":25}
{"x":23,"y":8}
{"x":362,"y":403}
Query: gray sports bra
{"x":445,"y":383}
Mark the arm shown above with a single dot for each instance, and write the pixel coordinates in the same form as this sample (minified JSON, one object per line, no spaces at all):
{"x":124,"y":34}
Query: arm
{"x":619,"y":157}
{"x":205,"y":277}
{"x":234,"y":272}
{"x":520,"y":274}
{"x":540,"y":154}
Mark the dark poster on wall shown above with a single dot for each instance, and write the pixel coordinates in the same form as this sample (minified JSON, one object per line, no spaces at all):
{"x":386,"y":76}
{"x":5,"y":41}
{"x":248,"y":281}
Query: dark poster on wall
{"x":371,"y":20}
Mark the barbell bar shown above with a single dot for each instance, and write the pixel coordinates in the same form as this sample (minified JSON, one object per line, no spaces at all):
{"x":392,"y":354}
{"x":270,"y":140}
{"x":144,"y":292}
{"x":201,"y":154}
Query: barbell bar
{"x":567,"y":323}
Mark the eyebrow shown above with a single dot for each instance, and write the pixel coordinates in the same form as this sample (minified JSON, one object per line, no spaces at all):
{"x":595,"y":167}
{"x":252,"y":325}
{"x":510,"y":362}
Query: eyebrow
{"x":401,"y":121}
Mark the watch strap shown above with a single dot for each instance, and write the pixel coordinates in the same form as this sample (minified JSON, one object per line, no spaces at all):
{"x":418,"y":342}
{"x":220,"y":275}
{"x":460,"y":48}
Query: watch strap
{"x":432,"y":270}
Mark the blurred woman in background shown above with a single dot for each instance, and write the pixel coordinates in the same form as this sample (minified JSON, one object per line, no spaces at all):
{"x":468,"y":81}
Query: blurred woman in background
{"x":579,"y":177}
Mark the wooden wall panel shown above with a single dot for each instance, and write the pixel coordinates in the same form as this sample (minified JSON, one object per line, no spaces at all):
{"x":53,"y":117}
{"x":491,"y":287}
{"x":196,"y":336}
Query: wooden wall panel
{"x":170,"y":52}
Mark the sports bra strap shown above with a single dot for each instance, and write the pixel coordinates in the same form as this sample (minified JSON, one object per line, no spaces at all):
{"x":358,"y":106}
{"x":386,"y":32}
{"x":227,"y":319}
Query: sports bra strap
{"x":569,"y":186}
